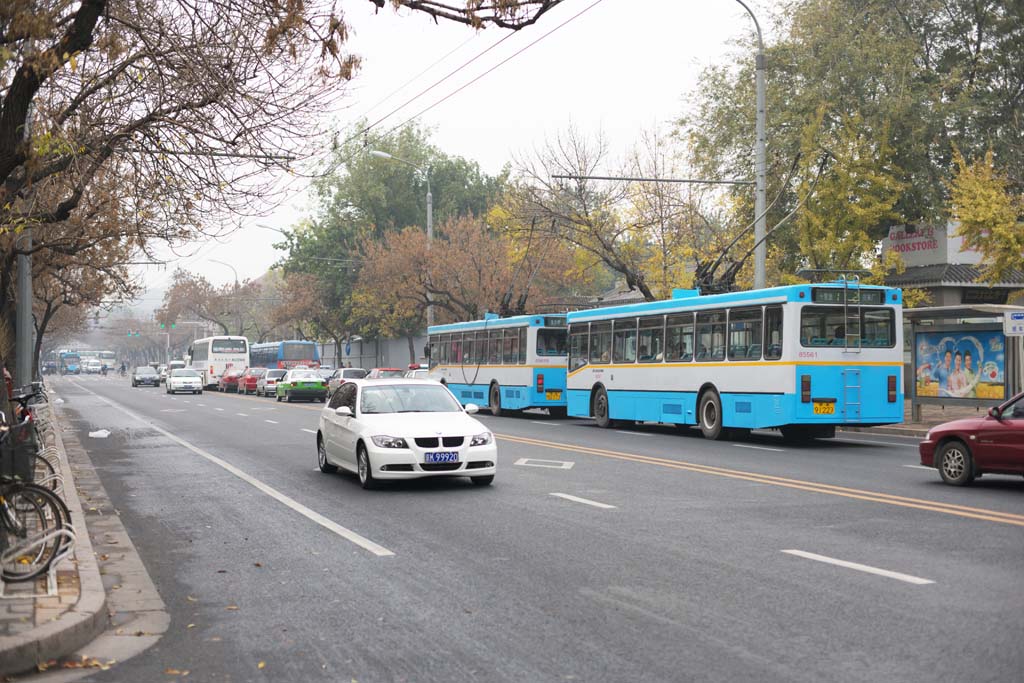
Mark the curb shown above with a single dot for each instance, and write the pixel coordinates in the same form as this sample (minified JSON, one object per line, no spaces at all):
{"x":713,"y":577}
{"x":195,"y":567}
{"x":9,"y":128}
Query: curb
{"x":918,"y":432}
{"x":87,"y":618}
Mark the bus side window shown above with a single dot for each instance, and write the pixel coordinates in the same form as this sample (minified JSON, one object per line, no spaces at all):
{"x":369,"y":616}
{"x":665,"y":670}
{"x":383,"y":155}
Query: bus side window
{"x":600,"y":342}
{"x":579,"y":341}
{"x":651,"y":342}
{"x":679,"y":342}
{"x":773,"y":332}
{"x":494,"y":347}
{"x":624,"y":345}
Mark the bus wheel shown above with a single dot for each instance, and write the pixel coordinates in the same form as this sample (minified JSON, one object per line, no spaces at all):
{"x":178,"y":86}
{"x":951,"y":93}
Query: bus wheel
{"x":495,"y":400}
{"x":710,"y":412}
{"x":601,"y":412}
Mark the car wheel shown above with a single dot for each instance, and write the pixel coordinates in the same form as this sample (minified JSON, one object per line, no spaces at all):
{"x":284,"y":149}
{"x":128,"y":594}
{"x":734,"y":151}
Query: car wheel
{"x":601,"y":412}
{"x":321,"y":457}
{"x":710,"y":415}
{"x":278,"y":397}
{"x":364,"y":468}
{"x":494,"y":399}
{"x":955,"y":465}
{"x":287,"y":397}
{"x":482,"y":481}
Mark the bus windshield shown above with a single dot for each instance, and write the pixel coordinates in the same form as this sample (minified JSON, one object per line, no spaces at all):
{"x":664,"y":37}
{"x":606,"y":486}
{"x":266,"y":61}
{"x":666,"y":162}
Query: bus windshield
{"x":228,"y":346}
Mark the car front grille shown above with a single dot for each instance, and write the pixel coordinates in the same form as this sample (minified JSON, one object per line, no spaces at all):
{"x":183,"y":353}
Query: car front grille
{"x":440,"y":466}
{"x":447,"y":441}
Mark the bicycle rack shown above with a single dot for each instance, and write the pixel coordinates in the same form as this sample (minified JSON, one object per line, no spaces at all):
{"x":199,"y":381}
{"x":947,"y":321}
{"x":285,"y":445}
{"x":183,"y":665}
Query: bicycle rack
{"x":63,"y":552}
{"x":58,"y":489}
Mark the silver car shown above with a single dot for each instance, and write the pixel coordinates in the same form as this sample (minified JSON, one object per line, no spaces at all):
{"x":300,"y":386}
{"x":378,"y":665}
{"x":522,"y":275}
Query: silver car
{"x":267,"y":384}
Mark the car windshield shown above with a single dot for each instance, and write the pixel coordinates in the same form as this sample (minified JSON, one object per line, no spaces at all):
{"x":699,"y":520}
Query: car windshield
{"x":304,"y":375}
{"x":276,"y":374}
{"x":353,"y":373}
{"x":389,"y":373}
{"x":184,"y":373}
{"x":408,"y":398}
{"x":145,"y":371}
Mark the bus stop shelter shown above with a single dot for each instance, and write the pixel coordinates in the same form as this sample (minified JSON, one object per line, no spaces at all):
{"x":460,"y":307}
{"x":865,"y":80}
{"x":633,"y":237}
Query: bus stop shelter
{"x":965,"y":355}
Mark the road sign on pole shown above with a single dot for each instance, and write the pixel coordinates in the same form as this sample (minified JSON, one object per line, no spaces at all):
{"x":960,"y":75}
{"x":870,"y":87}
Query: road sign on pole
{"x":1013,"y":324}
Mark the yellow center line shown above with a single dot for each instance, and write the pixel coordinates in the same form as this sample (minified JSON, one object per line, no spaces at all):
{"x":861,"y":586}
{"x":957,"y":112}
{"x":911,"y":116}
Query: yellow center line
{"x":811,"y":486}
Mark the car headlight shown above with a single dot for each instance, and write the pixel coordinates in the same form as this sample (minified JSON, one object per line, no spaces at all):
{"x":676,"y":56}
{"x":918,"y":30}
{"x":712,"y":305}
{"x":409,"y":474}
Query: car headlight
{"x":481,"y":439}
{"x":928,"y":436}
{"x":389,"y":441}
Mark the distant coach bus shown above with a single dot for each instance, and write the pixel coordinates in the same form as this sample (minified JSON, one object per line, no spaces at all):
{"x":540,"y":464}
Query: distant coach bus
{"x":211,"y":356}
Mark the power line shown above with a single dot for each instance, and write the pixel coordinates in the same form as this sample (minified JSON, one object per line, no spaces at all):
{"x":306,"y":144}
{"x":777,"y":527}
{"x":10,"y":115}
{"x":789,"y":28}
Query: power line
{"x":496,"y":66}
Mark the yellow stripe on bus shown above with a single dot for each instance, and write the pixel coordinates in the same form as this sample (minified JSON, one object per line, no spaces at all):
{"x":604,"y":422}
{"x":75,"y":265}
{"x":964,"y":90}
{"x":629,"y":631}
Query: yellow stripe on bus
{"x":734,"y":364}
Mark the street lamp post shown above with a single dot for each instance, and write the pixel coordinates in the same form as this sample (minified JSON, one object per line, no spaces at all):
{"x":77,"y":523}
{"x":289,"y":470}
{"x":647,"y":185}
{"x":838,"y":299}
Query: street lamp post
{"x":225,"y":263}
{"x":430,"y":213}
{"x":760,"y":165}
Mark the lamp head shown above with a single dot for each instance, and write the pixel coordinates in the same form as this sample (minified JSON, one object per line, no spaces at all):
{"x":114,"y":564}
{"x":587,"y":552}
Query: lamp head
{"x":379,"y":154}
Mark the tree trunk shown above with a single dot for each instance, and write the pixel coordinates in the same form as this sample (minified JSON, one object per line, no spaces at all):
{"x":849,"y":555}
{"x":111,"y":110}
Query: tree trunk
{"x":412,"y":349}
{"x":48,"y":314}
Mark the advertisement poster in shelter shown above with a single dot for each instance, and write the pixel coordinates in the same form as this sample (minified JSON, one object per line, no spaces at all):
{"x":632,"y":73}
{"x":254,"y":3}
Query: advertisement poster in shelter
{"x":960,"y":364}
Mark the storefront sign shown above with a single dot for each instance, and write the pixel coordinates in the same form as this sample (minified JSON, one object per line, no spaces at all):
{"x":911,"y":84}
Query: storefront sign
{"x":927,"y":245}
{"x":960,"y":365}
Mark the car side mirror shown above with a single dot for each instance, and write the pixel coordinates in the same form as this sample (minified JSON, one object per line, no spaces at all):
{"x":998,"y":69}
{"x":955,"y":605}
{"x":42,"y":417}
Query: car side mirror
{"x":995,"y":412}
{"x":472,"y":408}
{"x":344,"y":411}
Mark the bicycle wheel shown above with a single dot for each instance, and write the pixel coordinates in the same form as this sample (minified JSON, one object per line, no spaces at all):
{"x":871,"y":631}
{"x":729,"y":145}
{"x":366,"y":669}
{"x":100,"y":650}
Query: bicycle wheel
{"x":27,"y":514}
{"x":42,"y":470}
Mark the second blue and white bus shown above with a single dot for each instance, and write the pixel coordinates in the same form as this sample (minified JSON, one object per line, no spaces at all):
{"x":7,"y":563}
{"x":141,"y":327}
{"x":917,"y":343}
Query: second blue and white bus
{"x":284,"y":354}
{"x":803,"y":358}
{"x":507,"y":364}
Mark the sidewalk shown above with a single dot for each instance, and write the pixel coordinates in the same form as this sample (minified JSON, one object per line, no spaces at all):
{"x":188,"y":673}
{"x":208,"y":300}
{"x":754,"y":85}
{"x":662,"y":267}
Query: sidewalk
{"x":931,"y":416}
{"x":36,"y":628}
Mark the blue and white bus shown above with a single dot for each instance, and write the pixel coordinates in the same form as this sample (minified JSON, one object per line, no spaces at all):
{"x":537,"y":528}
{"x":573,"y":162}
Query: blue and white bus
{"x":801,"y":358}
{"x":284,"y":354}
{"x":508,"y":363}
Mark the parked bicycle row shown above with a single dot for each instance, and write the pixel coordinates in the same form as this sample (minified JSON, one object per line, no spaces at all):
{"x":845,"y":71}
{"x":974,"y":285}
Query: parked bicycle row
{"x":35,"y":524}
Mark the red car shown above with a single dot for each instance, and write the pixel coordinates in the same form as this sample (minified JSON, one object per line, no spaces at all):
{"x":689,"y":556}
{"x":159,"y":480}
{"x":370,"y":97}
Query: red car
{"x":248,"y":379}
{"x":229,"y":380}
{"x":379,"y":373}
{"x":965,"y":449}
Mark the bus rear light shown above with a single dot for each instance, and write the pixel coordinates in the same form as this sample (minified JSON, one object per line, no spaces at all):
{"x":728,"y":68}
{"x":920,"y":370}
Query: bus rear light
{"x":805,"y":388}
{"x":540,"y":382}
{"x":892,"y":388}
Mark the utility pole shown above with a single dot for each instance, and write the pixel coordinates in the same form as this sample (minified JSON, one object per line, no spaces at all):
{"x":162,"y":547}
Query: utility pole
{"x":23,"y":318}
{"x":760,"y":163}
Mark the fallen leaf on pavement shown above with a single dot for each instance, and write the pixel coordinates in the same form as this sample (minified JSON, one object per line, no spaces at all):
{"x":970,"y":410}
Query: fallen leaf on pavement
{"x":261,"y":665}
{"x":231,"y":607}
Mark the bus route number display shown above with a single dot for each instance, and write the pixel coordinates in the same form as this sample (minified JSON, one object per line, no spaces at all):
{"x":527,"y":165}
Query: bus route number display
{"x":871,"y":297}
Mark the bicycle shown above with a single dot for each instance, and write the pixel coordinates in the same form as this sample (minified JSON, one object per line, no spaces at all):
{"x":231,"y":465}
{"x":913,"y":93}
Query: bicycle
{"x":35,"y":523}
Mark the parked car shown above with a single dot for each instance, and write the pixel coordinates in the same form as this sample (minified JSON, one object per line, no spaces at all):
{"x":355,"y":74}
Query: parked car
{"x":248,"y":380}
{"x":302,"y":383}
{"x":229,"y":380}
{"x":184,"y":379}
{"x":342,"y":375}
{"x":403,"y":429}
{"x":267,"y":384}
{"x":92,"y":367}
{"x":417,"y":373}
{"x":381,"y":373}
{"x":324,"y":372}
{"x":145,"y":375}
{"x":963,"y":450}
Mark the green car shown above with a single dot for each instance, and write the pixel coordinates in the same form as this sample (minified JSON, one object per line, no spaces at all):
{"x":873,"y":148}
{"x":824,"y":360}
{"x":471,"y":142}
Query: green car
{"x":306,"y":384}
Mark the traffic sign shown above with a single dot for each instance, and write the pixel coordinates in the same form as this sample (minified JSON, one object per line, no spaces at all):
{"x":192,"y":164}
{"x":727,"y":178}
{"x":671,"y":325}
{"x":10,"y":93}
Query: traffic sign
{"x":1013,"y":324}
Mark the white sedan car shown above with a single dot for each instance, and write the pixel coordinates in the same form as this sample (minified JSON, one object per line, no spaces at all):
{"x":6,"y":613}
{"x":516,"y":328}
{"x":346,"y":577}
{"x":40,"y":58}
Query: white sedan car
{"x":403,"y":429}
{"x":184,"y":380}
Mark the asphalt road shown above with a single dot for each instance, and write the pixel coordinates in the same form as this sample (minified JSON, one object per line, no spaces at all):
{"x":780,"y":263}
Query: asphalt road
{"x":641,"y":554}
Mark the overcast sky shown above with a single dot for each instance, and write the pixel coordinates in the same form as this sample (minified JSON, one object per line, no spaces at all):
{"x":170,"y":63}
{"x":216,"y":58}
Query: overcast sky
{"x":621,"y":67}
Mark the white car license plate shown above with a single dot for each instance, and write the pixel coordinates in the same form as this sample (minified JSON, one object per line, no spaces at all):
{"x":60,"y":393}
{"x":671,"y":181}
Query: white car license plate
{"x":441,"y":456}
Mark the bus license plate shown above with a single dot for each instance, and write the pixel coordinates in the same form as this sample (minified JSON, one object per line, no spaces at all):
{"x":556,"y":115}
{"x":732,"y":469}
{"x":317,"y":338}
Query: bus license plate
{"x":824,"y":408}
{"x":441,"y":456}
{"x":553,"y":395}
